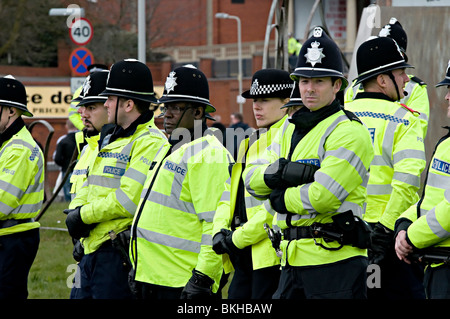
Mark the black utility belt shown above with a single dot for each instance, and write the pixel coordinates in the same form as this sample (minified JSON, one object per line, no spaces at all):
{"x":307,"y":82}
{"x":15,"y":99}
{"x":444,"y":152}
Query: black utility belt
{"x":346,"y":229}
{"x":13,"y":222}
{"x":316,"y":230}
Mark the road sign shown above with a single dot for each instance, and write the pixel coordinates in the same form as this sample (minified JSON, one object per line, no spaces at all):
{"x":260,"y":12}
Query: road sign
{"x":81,"y":31}
{"x":79,"y":61}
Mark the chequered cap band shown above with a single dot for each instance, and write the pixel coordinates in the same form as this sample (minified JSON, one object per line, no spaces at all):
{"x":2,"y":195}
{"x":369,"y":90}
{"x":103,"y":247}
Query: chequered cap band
{"x":258,"y":89}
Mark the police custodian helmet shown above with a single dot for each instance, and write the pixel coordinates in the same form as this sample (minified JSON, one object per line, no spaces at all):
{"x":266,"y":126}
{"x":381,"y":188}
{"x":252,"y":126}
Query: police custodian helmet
{"x":395,"y":31}
{"x":268,"y":83}
{"x":378,"y":55}
{"x":130,"y":79}
{"x":295,"y":98}
{"x":93,"y":86}
{"x":446,"y":80}
{"x":187,"y":84}
{"x":319,"y":57}
{"x":13,"y":93}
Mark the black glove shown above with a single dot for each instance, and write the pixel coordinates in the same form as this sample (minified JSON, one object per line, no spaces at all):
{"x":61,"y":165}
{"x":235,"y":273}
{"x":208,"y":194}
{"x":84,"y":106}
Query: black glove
{"x":198,"y":287}
{"x":77,"y":228}
{"x":219,"y":245}
{"x":273,"y":173}
{"x":223,"y":243}
{"x":296,"y":173}
{"x":277,"y":201}
{"x":381,"y":242}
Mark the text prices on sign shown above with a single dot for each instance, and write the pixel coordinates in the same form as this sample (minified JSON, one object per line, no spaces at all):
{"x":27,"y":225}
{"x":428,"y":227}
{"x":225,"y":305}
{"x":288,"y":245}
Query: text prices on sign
{"x":81,"y":31}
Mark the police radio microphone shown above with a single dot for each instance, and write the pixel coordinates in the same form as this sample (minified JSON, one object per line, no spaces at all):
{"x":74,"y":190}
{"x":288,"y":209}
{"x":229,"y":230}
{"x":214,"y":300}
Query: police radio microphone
{"x":405,"y":93}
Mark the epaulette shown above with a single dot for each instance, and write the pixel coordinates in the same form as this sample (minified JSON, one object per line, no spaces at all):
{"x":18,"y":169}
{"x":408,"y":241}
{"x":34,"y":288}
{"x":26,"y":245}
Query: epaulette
{"x":351,"y":116}
{"x":417,"y":80}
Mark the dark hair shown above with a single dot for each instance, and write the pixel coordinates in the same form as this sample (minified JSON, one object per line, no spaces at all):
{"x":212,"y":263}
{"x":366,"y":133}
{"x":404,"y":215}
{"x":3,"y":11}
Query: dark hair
{"x":238,"y":116}
{"x":141,"y":106}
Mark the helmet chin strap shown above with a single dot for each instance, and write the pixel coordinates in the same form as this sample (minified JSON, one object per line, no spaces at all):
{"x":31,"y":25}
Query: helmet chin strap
{"x":395,"y":84}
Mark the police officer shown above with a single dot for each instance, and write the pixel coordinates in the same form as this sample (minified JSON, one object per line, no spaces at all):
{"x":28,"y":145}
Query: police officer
{"x":95,"y":119}
{"x":74,"y":115}
{"x":314,"y":175}
{"x":171,"y":248}
{"x":415,"y":92}
{"x":423,"y":228}
{"x":103,"y":209}
{"x":21,"y":191}
{"x":398,"y":163}
{"x":239,"y":220}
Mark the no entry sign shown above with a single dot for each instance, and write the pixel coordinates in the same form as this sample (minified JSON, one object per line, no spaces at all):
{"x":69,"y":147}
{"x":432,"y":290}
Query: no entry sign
{"x":79,"y":61}
{"x":81,"y":31}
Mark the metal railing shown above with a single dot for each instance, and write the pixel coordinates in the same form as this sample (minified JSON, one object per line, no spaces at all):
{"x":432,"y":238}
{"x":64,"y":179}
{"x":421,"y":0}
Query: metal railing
{"x":217,"y":51}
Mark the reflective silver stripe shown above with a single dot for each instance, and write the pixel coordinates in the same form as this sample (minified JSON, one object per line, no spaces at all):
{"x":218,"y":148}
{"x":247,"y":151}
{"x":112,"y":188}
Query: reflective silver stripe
{"x":275,"y":147}
{"x":409,"y":153}
{"x":22,"y":209}
{"x":330,"y":128}
{"x":385,"y":189}
{"x":435,"y":226}
{"x":135,"y":175}
{"x":18,"y":142}
{"x":171,"y":202}
{"x":247,"y":183}
{"x":102,"y":181}
{"x":225,"y":196}
{"x":174,"y":242}
{"x":269,"y":208}
{"x":207,"y":216}
{"x":304,"y":195}
{"x":11,"y":189}
{"x":355,"y":208}
{"x":331,"y":184}
{"x":423,"y":212}
{"x":379,"y":160}
{"x":125,"y":201}
{"x":251,"y":202}
{"x":438,"y":181}
{"x":406,"y":178}
{"x":351,"y":158}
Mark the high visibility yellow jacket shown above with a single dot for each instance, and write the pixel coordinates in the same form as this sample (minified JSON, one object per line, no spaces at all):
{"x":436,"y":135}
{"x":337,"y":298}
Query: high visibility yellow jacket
{"x":252,"y":232}
{"x":74,"y":116}
{"x":172,"y":231}
{"x":342,"y":149}
{"x":111,"y":193}
{"x":431,"y":222}
{"x":399,"y":156}
{"x":21,"y":178}
{"x":86,"y":158}
{"x":417,"y":99}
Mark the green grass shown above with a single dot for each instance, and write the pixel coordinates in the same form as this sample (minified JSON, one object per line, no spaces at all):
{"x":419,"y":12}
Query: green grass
{"x":49,"y":272}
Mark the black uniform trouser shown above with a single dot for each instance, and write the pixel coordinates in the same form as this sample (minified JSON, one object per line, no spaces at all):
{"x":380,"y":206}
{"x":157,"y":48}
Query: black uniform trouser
{"x":342,"y":280}
{"x":399,"y":280}
{"x":437,"y":282}
{"x":102,"y":275}
{"x":252,"y":284}
{"x":17,"y":254}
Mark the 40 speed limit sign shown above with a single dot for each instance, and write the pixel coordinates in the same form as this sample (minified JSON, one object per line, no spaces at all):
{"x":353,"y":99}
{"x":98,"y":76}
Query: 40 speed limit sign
{"x":81,"y":31}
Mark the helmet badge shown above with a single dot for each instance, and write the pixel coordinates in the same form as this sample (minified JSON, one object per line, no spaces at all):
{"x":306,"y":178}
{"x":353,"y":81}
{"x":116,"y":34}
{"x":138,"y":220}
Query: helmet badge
{"x":170,"y":82}
{"x":314,"y":54}
{"x":87,"y":85}
{"x":386,"y":31}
